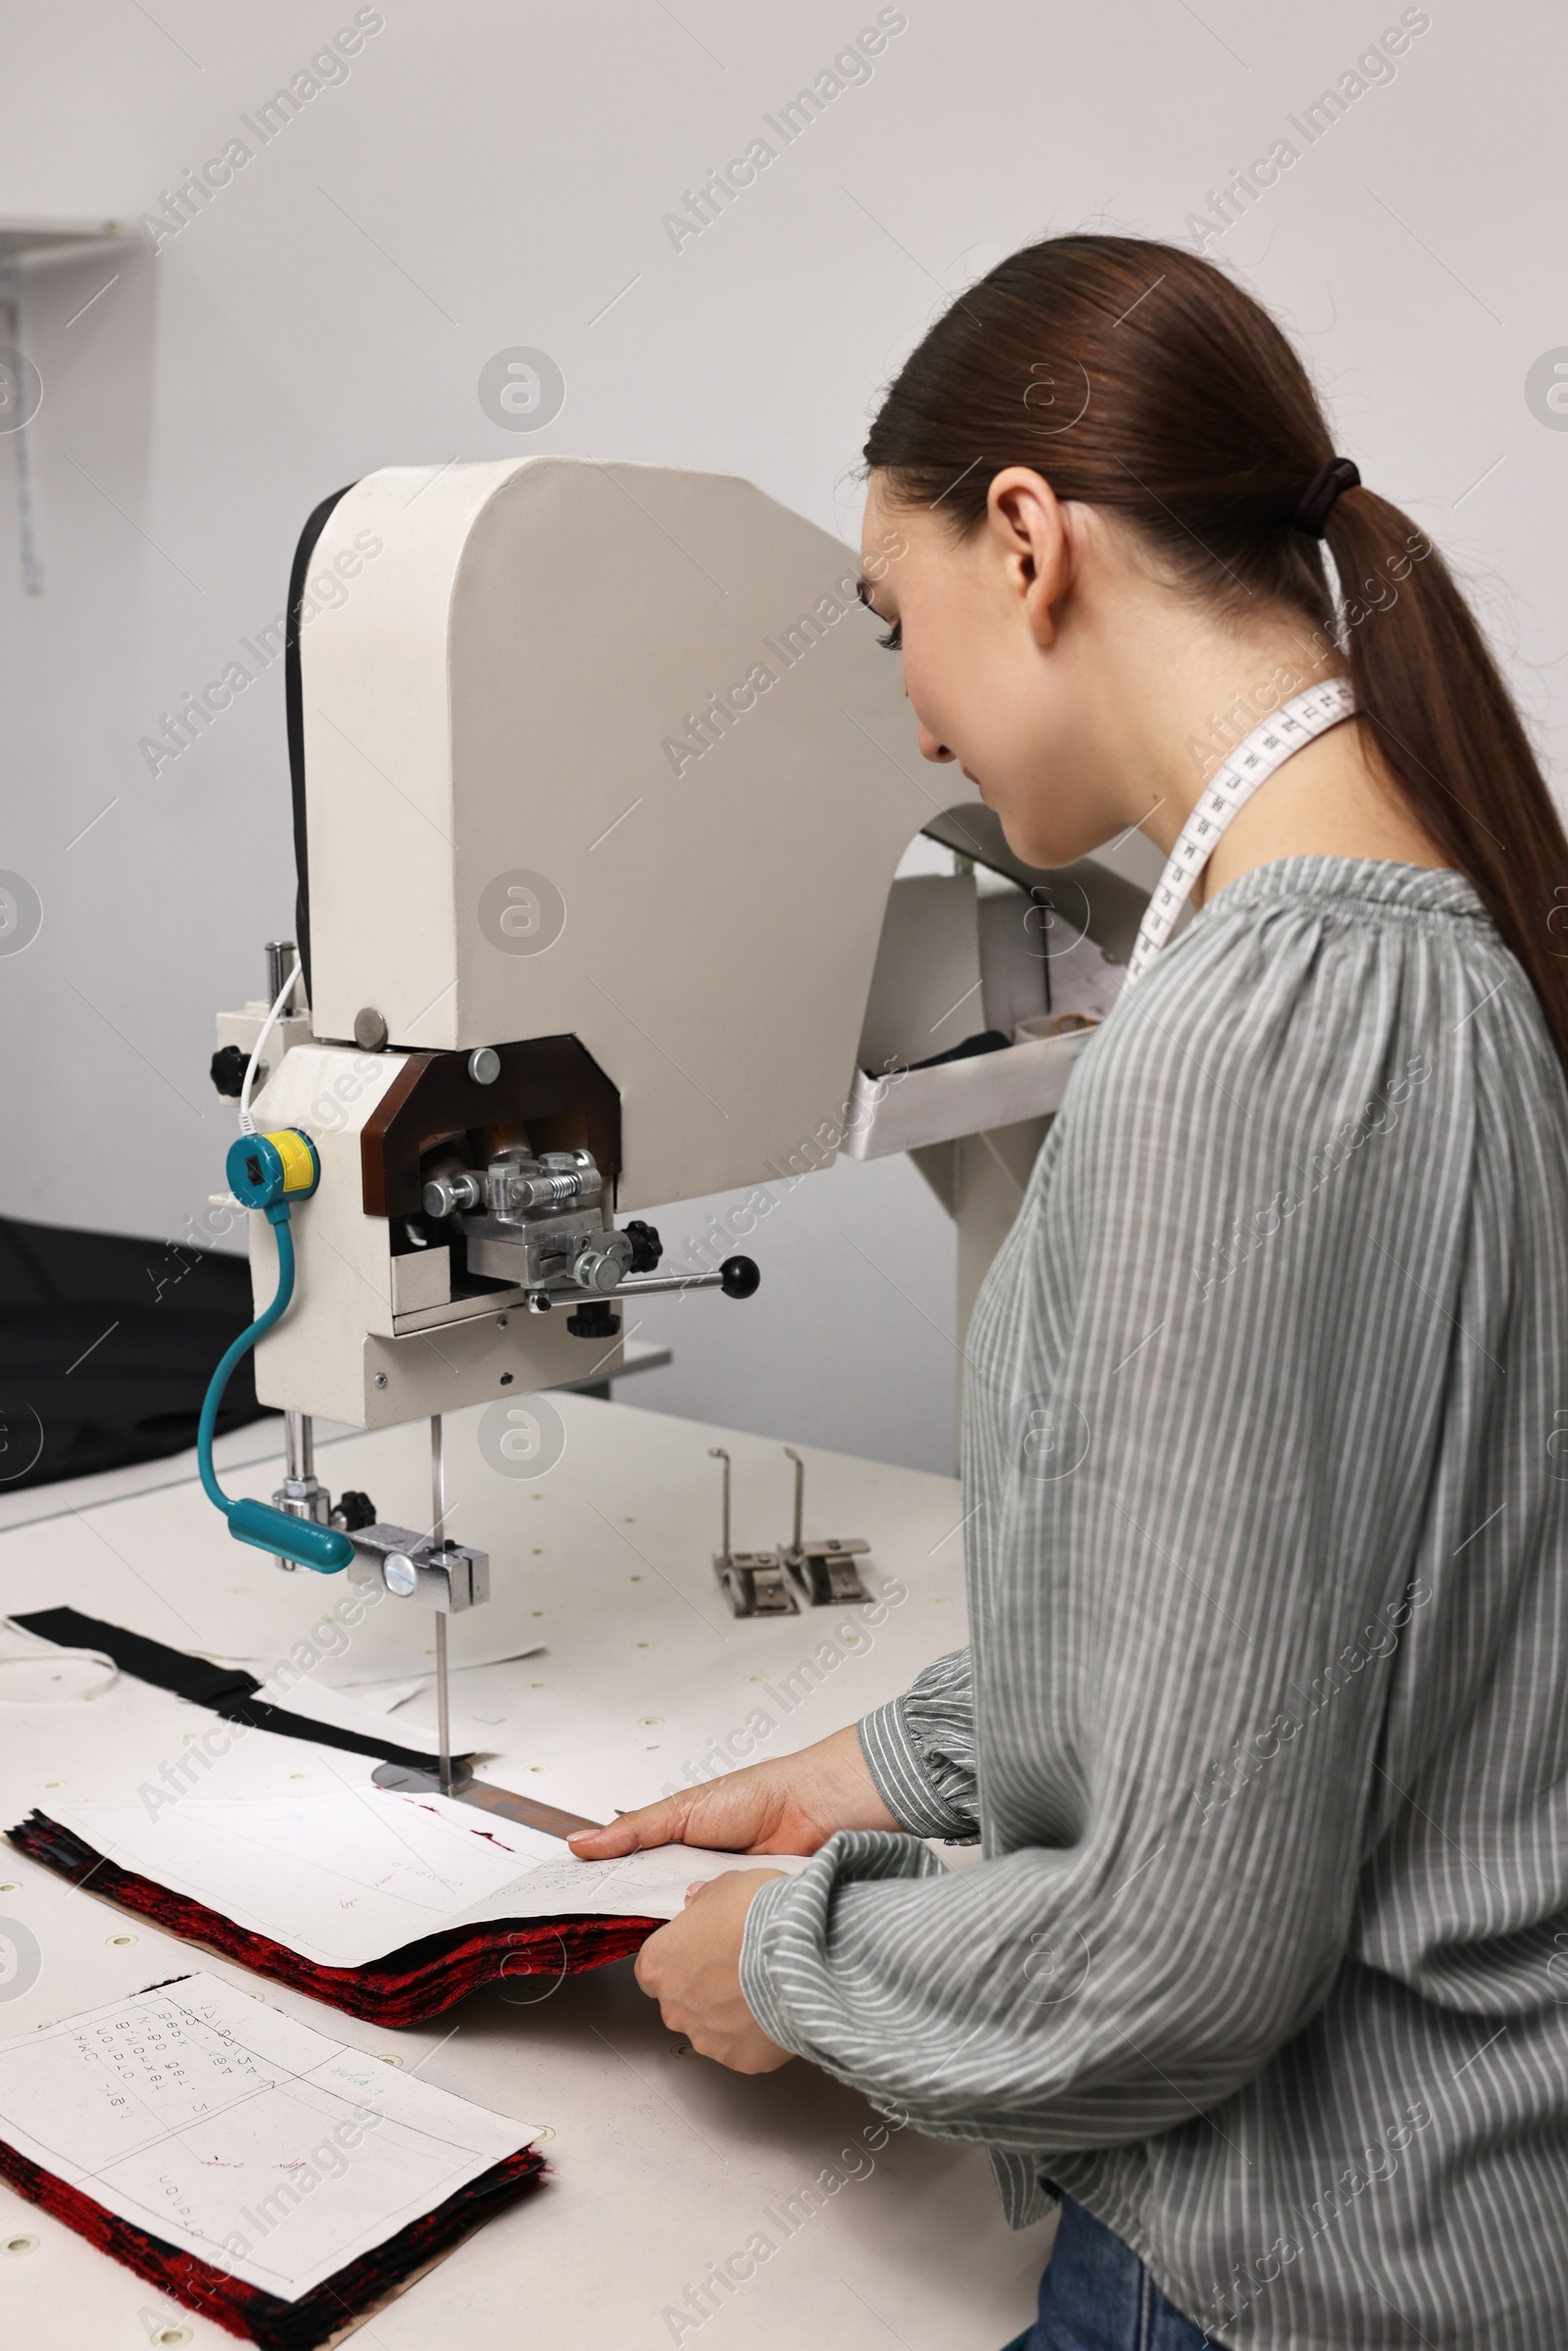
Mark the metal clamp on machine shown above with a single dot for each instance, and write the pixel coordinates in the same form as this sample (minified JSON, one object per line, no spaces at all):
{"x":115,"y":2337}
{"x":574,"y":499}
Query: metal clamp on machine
{"x":539,"y":1220}
{"x":445,"y":1576}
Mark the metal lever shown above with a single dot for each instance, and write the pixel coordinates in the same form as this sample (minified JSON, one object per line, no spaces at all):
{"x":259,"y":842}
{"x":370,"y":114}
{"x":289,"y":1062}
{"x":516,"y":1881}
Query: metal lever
{"x":753,"y":1581}
{"x":737,"y":1277}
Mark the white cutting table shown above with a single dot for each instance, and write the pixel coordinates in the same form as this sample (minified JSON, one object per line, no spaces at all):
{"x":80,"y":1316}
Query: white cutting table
{"x":664,"y":2164}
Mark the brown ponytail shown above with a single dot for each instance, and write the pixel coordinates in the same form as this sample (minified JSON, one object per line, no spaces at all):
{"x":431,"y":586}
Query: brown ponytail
{"x":1136,"y":377}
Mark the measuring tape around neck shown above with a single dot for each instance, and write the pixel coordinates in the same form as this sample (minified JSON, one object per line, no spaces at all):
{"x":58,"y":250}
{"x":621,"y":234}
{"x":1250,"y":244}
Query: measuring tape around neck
{"x":1265,"y":748}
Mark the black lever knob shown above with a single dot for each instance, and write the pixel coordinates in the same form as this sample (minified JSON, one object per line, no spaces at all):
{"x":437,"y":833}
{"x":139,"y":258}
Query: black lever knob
{"x":228,"y":1066}
{"x":739,"y":1277}
{"x":645,"y":1247}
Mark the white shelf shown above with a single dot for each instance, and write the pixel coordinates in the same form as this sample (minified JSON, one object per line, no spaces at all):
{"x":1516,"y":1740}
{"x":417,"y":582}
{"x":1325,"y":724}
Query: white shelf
{"x":961,"y":1098}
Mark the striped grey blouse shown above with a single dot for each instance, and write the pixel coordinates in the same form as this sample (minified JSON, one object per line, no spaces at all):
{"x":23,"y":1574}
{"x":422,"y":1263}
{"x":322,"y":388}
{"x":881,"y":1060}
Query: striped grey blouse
{"x":1265,"y":1727}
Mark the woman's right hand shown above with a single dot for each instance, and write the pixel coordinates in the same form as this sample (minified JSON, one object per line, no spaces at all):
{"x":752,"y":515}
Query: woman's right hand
{"x":790,"y":1805}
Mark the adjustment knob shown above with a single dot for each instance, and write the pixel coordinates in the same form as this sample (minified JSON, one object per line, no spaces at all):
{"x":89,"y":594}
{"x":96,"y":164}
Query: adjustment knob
{"x":598,"y":1270}
{"x":353,"y":1511}
{"x":445,"y":1195}
{"x":594,"y":1320}
{"x":739,"y":1277}
{"x":645,"y":1247}
{"x":227,"y":1069}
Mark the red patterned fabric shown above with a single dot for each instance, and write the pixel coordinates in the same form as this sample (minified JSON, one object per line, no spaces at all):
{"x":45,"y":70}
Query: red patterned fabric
{"x":406,"y":1988}
{"x":250,"y":2311}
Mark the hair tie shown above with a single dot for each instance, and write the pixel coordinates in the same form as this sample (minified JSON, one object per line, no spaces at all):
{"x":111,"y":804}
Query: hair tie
{"x":1339,"y":473}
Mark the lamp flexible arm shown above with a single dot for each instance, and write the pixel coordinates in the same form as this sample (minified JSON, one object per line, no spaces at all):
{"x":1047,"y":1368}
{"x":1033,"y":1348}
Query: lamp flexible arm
{"x":326,"y":1548}
{"x":278,"y":1218}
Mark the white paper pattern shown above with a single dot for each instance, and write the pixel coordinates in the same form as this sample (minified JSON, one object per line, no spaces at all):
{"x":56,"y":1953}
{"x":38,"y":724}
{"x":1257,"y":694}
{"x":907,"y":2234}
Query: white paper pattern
{"x":344,"y":1878}
{"x":239,"y":2136}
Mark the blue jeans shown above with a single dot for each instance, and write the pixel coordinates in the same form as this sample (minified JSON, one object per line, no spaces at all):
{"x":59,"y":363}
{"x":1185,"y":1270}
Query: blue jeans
{"x":1098,"y":2296}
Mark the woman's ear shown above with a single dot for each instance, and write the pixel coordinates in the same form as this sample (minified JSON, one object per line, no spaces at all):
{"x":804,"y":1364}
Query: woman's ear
{"x":1032,"y":545}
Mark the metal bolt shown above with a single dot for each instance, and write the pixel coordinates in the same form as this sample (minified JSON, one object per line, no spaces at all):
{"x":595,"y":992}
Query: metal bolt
{"x":485,"y":1065}
{"x":282,"y":956}
{"x":399,"y":1575}
{"x":379,"y":1381}
{"x":369,"y":1029}
{"x":444,"y":1195}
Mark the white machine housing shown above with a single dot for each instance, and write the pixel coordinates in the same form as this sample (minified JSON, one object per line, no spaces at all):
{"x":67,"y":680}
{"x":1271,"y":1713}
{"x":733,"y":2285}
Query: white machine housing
{"x":602,"y":752}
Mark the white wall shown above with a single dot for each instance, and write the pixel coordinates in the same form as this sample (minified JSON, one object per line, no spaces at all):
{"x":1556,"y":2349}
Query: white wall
{"x":494,"y":173}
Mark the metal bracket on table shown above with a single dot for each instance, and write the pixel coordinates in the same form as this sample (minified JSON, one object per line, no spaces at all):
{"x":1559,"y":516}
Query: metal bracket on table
{"x":823,"y":1565}
{"x":820,"y":1569}
{"x":753,"y":1581}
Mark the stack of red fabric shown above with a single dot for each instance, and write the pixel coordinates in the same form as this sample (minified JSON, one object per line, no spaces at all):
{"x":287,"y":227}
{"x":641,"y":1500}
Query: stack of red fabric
{"x":406,"y":1988}
{"x":330,"y":2309}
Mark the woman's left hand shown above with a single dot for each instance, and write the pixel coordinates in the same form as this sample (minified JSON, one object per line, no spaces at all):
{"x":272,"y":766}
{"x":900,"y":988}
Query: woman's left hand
{"x":692,"y":1969}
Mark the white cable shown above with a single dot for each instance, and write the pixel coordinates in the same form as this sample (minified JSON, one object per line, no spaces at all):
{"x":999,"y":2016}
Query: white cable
{"x":51,"y":1660}
{"x":247,"y":1124}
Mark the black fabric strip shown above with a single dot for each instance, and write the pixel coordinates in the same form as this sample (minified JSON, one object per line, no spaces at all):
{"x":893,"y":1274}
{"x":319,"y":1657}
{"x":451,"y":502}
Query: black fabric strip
{"x":227,"y":1690}
{"x":258,"y":1715}
{"x":193,"y":1678}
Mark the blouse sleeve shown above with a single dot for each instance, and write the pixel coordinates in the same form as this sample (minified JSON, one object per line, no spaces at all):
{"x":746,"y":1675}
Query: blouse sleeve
{"x":921,"y":1751}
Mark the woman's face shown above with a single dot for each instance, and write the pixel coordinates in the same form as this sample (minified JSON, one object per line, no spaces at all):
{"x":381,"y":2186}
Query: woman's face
{"x":1000,"y":655}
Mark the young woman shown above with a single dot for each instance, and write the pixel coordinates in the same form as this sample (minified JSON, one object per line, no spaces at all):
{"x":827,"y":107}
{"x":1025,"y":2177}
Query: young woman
{"x":1265,"y":1729}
